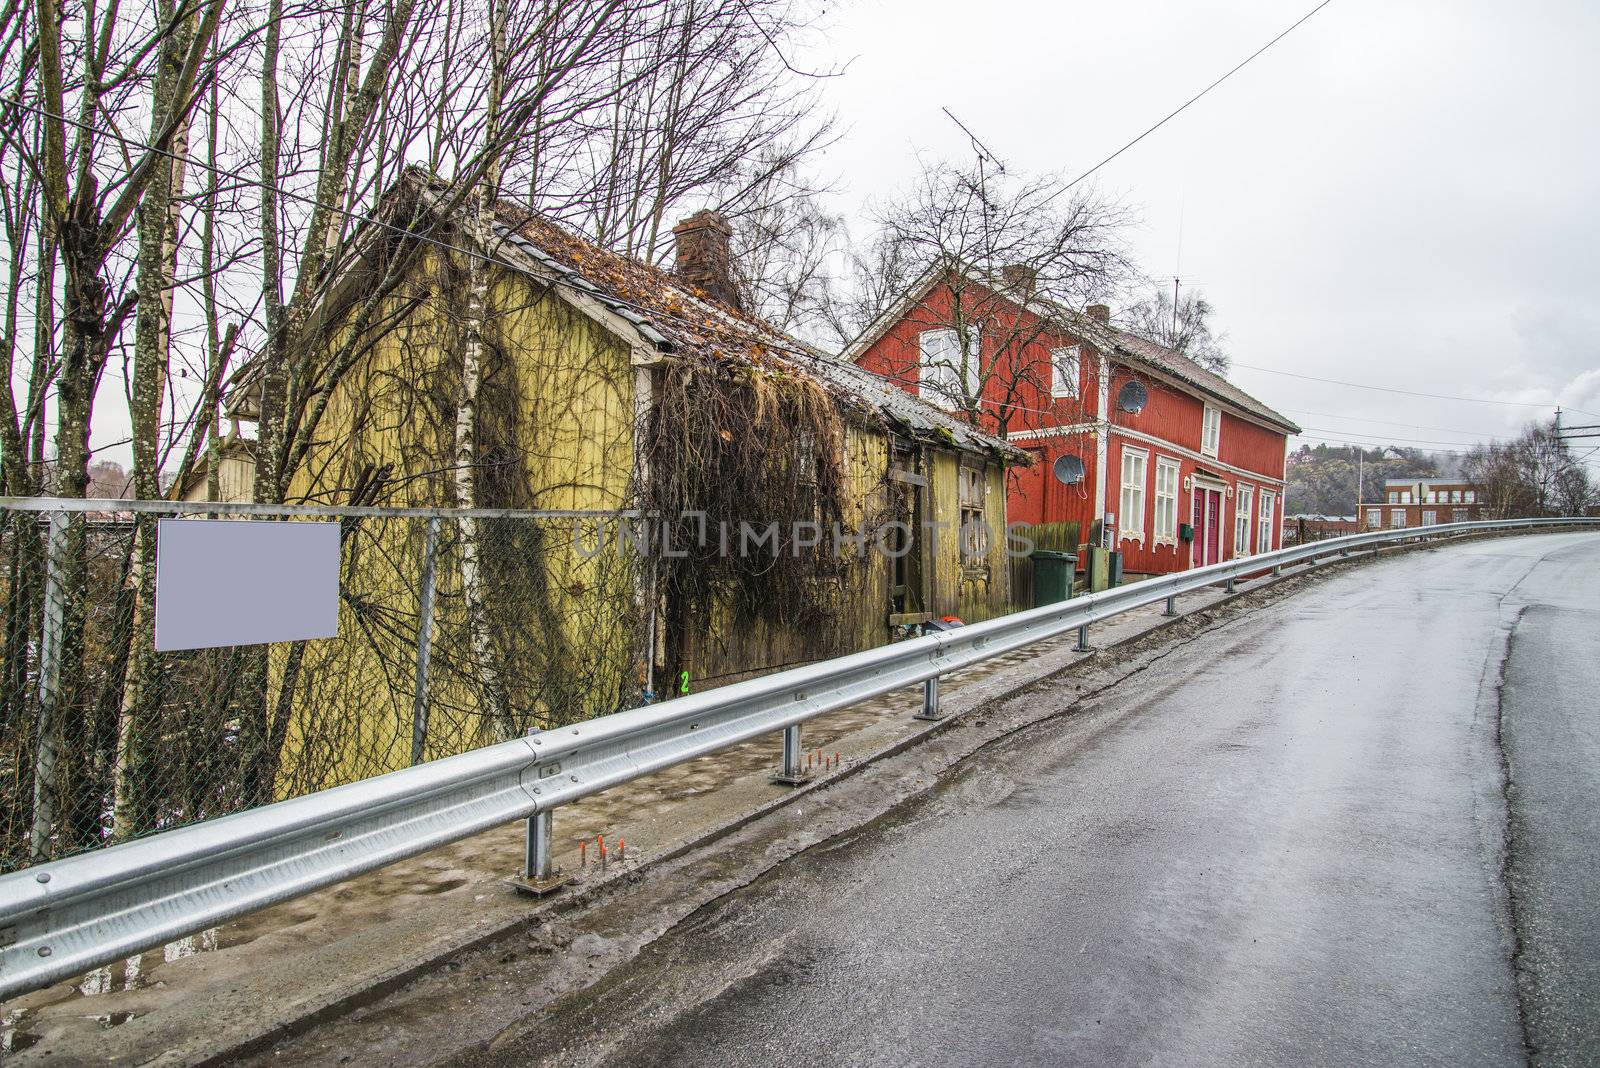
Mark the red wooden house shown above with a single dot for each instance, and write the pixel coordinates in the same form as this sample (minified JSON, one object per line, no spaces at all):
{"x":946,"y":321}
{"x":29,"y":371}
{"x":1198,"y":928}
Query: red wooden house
{"x":1184,"y":467}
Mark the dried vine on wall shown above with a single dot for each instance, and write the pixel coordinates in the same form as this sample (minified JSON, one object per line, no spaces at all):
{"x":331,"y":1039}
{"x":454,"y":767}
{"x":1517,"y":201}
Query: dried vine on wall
{"x":746,"y":446}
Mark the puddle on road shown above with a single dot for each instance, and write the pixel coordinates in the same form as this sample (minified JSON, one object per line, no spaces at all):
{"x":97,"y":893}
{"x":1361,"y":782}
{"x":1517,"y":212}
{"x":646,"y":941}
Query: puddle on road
{"x":12,"y":1038}
{"x":133,"y":973}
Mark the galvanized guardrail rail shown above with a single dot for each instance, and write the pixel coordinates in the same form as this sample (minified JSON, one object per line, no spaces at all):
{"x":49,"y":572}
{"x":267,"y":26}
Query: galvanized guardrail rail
{"x":65,"y":917}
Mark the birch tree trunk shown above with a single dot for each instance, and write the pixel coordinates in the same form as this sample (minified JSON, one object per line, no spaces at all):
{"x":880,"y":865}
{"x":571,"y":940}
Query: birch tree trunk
{"x":158,"y":216}
{"x":481,"y":220}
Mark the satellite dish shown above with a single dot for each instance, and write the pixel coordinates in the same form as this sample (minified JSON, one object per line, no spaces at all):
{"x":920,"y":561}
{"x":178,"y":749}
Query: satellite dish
{"x":1068,"y":470}
{"x":1132,"y":397}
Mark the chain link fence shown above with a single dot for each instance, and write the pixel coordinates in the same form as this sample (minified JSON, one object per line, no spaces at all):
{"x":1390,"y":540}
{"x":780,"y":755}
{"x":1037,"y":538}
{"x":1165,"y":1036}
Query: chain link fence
{"x":456,"y":629}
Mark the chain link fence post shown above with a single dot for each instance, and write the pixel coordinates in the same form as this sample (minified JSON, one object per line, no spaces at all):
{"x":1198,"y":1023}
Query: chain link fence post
{"x":44,"y":768}
{"x":419,"y":701}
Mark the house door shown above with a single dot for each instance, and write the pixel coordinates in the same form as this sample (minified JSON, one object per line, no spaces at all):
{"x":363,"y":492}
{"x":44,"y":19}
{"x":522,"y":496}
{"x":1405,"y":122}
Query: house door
{"x":1207,"y":519}
{"x":908,"y":488}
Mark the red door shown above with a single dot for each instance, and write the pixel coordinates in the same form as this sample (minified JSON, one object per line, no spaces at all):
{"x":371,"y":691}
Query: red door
{"x":1207,"y":517}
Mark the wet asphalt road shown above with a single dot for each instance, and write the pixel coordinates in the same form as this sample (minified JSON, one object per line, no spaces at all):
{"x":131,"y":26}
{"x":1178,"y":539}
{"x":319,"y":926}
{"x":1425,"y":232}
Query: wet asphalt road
{"x":1288,"y":842}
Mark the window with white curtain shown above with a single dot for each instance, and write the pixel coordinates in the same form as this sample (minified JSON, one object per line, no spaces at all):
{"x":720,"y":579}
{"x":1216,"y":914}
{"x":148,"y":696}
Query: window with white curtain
{"x":1210,"y":430}
{"x":1166,"y":512}
{"x":949,"y":377}
{"x":1241,"y":520}
{"x":1131,"y":521}
{"x":1264,"y":519}
{"x":1064,"y":371}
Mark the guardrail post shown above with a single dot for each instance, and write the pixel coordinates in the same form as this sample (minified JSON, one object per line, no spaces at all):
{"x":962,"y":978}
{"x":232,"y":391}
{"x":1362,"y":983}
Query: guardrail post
{"x":419,"y":698}
{"x":539,"y":875}
{"x":1172,"y":606}
{"x":1230,"y":585}
{"x":930,"y":700}
{"x":1083,"y":639}
{"x":791,"y":774}
{"x":537,"y":864}
{"x":1277,"y":569}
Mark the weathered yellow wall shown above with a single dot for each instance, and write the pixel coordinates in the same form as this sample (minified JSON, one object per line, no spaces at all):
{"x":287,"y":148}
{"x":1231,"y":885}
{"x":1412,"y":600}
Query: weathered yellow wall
{"x":556,"y":432}
{"x":858,"y":595}
{"x":236,"y":476}
{"x":972,"y":591}
{"x":862,"y":602}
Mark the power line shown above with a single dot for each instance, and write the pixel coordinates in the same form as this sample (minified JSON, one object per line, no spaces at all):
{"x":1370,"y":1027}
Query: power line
{"x":1390,"y":422}
{"x":1391,"y":437}
{"x":1384,"y":444}
{"x":1197,"y":96}
{"x":1405,"y":392}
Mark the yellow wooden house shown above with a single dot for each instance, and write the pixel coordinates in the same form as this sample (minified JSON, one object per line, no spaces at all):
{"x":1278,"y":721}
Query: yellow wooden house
{"x":698,"y":497}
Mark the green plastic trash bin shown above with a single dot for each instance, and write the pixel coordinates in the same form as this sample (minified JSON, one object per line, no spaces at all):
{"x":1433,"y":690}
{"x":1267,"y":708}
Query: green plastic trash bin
{"x":1052,"y":576}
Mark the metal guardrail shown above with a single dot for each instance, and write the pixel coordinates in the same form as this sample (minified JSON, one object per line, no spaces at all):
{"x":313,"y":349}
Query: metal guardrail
{"x":65,"y":917}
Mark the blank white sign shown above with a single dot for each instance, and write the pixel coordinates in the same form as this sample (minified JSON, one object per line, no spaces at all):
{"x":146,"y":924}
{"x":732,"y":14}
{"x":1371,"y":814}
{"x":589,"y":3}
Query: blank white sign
{"x":240,"y":582}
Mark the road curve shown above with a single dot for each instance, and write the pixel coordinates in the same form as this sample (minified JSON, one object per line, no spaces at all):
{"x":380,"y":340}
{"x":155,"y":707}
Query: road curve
{"x":1292,"y":840}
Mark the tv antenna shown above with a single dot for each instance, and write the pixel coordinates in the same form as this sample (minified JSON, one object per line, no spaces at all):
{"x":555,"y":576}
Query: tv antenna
{"x":979,"y":149}
{"x":985,"y":156}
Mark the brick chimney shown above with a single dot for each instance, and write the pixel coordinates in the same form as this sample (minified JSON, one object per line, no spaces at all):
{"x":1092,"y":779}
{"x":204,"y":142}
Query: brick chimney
{"x":703,"y":256}
{"x":1019,"y":278}
{"x":1099,"y":313}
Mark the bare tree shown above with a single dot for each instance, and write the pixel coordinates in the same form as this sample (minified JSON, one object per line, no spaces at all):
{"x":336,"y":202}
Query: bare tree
{"x":1532,"y":475}
{"x":1184,"y":327}
{"x":1001,"y":242}
{"x":783,"y":245}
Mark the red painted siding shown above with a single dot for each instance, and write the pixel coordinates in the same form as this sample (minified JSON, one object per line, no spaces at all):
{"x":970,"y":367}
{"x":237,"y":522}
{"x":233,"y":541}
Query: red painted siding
{"x":1016,"y":400}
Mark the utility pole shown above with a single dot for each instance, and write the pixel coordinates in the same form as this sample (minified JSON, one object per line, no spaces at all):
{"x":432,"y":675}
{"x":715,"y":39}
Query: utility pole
{"x":1360,"y":463}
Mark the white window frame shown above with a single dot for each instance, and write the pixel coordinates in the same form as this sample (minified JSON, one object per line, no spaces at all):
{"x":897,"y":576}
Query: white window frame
{"x":1065,"y":368}
{"x":1131,"y":500}
{"x":1430,"y":517}
{"x":944,"y":371}
{"x":1397,"y":518}
{"x":1374,"y":518}
{"x":1458,"y":515}
{"x":1165,"y":530}
{"x":1242,"y":498}
{"x":1266,"y":515}
{"x":1469,"y":497}
{"x":1210,"y":430}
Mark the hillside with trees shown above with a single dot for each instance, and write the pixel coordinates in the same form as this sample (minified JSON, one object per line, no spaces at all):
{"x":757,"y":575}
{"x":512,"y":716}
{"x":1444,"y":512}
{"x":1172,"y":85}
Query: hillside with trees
{"x":1323,"y":478}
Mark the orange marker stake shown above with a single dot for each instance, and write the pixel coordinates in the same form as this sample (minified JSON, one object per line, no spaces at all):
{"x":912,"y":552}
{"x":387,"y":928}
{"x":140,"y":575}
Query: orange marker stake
{"x":622,"y":849}
{"x":583,"y":853}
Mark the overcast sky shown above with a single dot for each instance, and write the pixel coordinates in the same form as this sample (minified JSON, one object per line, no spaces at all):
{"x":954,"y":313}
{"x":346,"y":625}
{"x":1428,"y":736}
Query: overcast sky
{"x":1400,"y":192}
